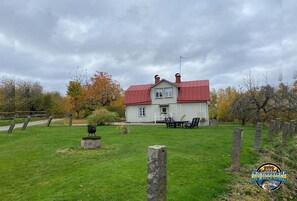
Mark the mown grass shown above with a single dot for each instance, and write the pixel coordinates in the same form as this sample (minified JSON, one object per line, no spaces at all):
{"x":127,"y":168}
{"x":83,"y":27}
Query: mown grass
{"x":48,"y":164}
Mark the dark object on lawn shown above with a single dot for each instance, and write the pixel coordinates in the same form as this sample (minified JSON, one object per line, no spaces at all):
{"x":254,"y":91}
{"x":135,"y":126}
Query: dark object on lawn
{"x":92,"y":129}
{"x":195,"y":122}
{"x":169,"y":121}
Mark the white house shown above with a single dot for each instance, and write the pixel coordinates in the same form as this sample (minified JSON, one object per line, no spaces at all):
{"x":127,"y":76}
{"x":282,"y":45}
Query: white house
{"x":181,"y":100}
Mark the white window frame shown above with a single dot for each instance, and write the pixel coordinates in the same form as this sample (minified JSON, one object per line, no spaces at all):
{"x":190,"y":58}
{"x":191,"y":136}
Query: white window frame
{"x":141,"y":111}
{"x":159,"y":92}
{"x":168,"y":94}
{"x":166,"y":108}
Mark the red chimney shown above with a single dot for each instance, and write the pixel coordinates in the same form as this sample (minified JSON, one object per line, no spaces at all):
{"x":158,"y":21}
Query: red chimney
{"x":157,"y":79}
{"x":177,"y":78}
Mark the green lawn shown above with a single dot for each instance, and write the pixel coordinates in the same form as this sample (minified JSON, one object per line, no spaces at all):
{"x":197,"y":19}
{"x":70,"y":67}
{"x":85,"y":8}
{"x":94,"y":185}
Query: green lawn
{"x":47,"y":163}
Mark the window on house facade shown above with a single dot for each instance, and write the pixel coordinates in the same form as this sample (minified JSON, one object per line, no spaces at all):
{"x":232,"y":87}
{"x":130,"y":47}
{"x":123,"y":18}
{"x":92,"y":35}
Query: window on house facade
{"x":142,"y":111}
{"x":159,"y":93}
{"x":168,"y":92}
{"x":163,"y":110}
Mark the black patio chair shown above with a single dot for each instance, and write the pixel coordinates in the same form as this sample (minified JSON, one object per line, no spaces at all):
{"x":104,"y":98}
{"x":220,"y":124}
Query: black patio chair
{"x":195,"y":122}
{"x":169,"y":122}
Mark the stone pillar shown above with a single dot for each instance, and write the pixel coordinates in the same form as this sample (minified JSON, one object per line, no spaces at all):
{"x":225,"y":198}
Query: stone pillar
{"x":49,"y":121}
{"x":277,"y":126}
{"x":237,"y":134}
{"x":26,"y":123}
{"x":270,"y":130}
{"x":285,"y":133}
{"x":258,"y":137}
{"x":291,"y":128}
{"x":11,"y":127}
{"x":156,"y":169}
{"x":295,"y":132}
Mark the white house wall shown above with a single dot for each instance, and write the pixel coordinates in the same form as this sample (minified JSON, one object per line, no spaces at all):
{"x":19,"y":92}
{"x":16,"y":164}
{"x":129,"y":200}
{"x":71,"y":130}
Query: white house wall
{"x":184,"y":111}
{"x":190,"y":110}
{"x":132,"y":113}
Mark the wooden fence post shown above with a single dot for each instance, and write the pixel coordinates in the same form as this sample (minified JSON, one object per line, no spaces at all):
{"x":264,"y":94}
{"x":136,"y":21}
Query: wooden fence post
{"x":49,"y":121}
{"x":26,"y":123}
{"x":70,"y":116}
{"x":11,"y":127}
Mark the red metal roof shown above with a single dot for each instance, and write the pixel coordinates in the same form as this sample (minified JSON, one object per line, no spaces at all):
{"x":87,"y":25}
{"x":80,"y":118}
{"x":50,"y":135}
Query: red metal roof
{"x":189,"y":91}
{"x":193,"y":91}
{"x":138,"y":95}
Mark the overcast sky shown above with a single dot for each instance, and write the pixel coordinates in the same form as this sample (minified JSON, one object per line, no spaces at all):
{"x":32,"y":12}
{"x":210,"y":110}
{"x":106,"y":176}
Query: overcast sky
{"x":45,"y":40}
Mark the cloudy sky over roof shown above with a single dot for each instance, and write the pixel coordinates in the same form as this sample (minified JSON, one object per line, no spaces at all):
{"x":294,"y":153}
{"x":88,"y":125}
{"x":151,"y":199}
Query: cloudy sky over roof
{"x":45,"y":40}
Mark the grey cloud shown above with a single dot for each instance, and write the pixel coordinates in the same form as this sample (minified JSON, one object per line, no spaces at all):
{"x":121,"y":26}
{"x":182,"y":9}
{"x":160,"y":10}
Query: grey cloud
{"x":134,"y":40}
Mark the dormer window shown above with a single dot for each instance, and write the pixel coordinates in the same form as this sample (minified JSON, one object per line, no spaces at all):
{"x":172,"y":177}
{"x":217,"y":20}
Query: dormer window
{"x":168,"y":92}
{"x":159,"y":93}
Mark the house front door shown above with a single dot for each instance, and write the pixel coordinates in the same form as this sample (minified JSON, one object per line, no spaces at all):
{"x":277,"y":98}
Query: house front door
{"x":164,"y":110}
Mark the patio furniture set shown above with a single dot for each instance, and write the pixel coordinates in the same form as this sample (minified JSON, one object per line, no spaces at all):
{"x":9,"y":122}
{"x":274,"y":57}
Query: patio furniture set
{"x":171,"y":123}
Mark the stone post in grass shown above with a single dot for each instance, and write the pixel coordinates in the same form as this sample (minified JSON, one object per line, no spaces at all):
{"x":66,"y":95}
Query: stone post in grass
{"x":295,"y":132}
{"x":277,"y":126}
{"x":291,"y":128}
{"x":26,"y":123}
{"x":258,"y":137}
{"x":270,"y":130}
{"x":285,"y":133}
{"x":156,"y":169}
{"x":237,"y":136}
{"x":11,"y":127}
{"x":49,"y":121}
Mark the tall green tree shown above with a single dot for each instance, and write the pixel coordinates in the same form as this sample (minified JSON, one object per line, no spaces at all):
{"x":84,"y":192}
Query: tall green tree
{"x":7,"y":96}
{"x":54,"y":103}
{"x":29,"y":96}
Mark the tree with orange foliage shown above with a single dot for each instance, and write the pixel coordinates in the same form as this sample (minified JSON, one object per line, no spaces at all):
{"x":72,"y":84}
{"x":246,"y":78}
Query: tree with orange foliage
{"x":76,"y":94}
{"x":224,"y":99}
{"x":102,"y":91}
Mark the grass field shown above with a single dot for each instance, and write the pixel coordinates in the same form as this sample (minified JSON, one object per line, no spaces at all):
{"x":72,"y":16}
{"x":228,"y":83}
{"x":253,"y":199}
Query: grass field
{"x":48,"y":164}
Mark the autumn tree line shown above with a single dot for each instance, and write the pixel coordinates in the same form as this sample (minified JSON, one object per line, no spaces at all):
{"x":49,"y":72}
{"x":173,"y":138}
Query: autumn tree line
{"x":84,"y":95}
{"x":254,"y":102}
{"x":24,"y":95}
{"x":87,"y":94}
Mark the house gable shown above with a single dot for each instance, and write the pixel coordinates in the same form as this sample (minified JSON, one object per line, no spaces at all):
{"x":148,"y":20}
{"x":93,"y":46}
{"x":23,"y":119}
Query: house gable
{"x":164,"y":93}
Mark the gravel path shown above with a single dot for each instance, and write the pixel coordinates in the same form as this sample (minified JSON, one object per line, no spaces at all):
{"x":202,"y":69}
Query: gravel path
{"x":33,"y":123}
